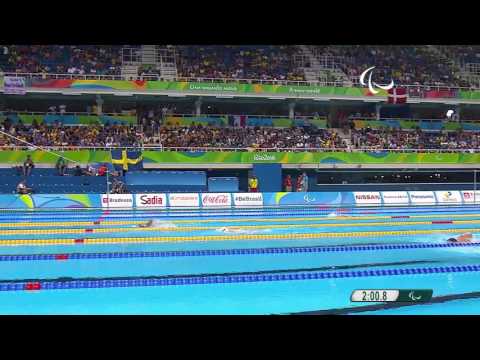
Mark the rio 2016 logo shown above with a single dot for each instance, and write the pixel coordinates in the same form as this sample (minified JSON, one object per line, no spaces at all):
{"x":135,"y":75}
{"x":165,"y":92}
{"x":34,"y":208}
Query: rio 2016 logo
{"x":371,"y":83}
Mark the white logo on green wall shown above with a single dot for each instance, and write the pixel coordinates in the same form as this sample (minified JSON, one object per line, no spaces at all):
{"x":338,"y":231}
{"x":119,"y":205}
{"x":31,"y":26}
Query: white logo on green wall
{"x":263,"y":157}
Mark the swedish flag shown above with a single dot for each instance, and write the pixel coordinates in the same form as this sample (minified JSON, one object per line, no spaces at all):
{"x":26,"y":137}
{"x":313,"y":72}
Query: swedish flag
{"x":124,"y":158}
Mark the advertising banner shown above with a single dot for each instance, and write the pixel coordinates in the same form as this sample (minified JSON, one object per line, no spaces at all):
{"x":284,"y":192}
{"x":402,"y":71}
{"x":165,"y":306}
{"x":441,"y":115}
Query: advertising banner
{"x":183,"y":200}
{"x":14,"y":85}
{"x":395,"y":198}
{"x":245,"y":157}
{"x":368,"y":198}
{"x":117,"y":200}
{"x":49,"y":201}
{"x":247,"y":199}
{"x":422,"y":197}
{"x":360,"y":157}
{"x":470,"y":196}
{"x":448,"y":197}
{"x":150,"y":200}
{"x":217,"y":200}
{"x":308,"y":198}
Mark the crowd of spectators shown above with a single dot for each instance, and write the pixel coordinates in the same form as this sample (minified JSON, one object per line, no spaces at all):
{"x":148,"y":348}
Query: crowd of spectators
{"x":402,"y":140}
{"x":462,"y":53}
{"x":58,"y":135}
{"x":239,"y":62}
{"x":62,"y":59}
{"x":249,"y":137}
{"x":410,"y":65}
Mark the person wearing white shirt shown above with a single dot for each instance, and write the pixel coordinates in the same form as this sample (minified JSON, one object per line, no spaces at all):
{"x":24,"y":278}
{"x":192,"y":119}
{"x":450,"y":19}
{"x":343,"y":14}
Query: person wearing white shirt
{"x":62,"y":109}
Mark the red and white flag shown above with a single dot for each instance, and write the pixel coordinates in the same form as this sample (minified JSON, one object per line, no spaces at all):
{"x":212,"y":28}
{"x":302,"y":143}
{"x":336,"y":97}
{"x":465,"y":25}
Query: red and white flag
{"x":240,"y":120}
{"x":397,"y":96}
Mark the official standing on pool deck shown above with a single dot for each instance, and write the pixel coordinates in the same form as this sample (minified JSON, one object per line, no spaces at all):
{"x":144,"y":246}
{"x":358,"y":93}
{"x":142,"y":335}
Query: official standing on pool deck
{"x":253,"y":184}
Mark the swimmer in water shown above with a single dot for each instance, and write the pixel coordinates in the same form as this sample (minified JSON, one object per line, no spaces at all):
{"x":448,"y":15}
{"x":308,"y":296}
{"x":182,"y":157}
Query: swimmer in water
{"x":233,"y":229}
{"x":155,"y":223}
{"x":148,"y":224}
{"x":464,"y":238}
{"x":230,"y":229}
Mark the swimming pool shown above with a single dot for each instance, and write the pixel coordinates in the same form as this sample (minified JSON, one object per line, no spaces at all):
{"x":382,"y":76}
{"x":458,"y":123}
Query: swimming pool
{"x":272,"y":261}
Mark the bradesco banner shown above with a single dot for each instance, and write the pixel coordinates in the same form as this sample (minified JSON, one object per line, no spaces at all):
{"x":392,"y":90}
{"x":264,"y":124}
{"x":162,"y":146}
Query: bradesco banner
{"x":448,"y":197}
{"x":395,"y":198}
{"x":150,"y":200}
{"x":117,"y":200}
{"x":422,"y":197}
{"x":470,"y":196}
{"x":217,"y":200}
{"x":247,"y":199}
{"x":183,"y":200}
{"x":308,"y":198}
{"x":368,"y":198}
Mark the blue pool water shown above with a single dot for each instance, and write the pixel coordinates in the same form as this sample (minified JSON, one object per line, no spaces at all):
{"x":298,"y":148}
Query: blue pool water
{"x":275,"y":261}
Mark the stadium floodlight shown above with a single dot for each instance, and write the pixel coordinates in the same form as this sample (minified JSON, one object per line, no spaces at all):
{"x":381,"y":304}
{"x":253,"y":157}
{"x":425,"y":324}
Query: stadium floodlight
{"x":224,"y":97}
{"x":123,"y":94}
{"x":277,"y":98}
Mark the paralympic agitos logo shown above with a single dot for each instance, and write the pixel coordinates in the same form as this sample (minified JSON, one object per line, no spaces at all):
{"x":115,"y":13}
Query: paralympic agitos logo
{"x":371,"y":84}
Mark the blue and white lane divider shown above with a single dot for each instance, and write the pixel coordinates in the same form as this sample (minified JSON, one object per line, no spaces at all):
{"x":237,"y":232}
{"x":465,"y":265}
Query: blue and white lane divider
{"x":226,"y":252}
{"x":225,"y":279}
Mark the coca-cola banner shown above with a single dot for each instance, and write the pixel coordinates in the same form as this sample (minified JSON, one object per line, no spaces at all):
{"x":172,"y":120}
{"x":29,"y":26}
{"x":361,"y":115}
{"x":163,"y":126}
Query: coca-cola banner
{"x":183,"y":200}
{"x":151,"y":200}
{"x":216,"y":200}
{"x":247,"y":199}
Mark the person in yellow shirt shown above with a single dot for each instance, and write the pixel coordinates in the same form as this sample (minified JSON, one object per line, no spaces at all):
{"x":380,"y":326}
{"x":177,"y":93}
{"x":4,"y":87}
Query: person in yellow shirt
{"x":253,"y":184}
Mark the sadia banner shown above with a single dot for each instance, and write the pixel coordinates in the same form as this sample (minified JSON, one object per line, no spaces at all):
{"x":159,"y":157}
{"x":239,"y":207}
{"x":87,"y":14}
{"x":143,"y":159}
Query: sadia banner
{"x":14,"y":85}
{"x":150,"y":200}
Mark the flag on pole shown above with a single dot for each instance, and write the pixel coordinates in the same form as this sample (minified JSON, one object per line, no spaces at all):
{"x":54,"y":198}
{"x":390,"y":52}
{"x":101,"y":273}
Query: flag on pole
{"x":397,"y":96}
{"x":124,"y":158}
{"x":237,"y":120}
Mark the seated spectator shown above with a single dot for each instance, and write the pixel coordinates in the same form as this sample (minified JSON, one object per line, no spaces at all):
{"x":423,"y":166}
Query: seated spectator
{"x":118,"y":187}
{"x":28,"y":165}
{"x":89,"y":170}
{"x":61,"y":166}
{"x":23,"y":189}
{"x":77,"y":171}
{"x":102,"y":170}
